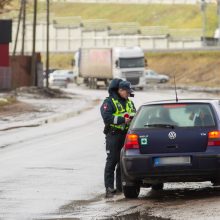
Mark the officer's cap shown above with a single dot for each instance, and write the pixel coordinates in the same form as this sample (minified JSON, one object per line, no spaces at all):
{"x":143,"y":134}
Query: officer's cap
{"x":126,"y":86}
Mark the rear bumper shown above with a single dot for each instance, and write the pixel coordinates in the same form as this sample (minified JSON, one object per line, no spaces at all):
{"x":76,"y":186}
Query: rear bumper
{"x":203,"y":167}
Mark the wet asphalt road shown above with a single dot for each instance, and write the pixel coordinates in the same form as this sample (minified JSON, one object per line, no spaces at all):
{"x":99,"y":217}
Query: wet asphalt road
{"x":56,"y":172}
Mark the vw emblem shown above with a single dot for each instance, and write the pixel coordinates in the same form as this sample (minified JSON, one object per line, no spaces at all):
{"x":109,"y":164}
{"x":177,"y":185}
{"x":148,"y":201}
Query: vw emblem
{"x":172,"y":135}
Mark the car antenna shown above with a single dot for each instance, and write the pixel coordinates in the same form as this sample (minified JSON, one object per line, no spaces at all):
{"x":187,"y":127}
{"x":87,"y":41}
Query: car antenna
{"x":175,"y":89}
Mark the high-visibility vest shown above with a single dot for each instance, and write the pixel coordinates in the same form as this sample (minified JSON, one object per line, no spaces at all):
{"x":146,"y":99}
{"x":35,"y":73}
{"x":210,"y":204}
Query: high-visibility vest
{"x":120,"y":112}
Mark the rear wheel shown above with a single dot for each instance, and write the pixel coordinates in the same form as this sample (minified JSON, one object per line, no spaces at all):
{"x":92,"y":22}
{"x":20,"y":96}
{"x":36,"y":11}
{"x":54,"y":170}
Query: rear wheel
{"x":68,"y":80}
{"x":157,"y":187}
{"x":163,"y":81}
{"x":131,"y":192}
{"x":216,"y":181}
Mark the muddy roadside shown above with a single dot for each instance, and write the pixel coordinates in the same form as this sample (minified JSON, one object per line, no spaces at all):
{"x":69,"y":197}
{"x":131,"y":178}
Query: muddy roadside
{"x":31,"y":106}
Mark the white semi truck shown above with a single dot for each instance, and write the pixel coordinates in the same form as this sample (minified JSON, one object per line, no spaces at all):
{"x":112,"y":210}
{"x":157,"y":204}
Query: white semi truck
{"x":97,"y":67}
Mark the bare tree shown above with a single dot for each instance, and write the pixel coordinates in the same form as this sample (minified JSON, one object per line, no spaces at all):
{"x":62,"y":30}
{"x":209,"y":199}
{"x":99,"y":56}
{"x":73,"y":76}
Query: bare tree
{"x":3,"y":3}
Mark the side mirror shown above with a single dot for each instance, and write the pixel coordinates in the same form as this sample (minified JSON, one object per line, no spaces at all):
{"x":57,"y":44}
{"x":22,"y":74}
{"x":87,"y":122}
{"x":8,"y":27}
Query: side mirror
{"x":116,"y":63}
{"x":73,"y":62}
{"x":145,"y":62}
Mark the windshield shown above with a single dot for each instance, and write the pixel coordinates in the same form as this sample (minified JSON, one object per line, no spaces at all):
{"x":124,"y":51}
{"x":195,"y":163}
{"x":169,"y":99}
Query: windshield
{"x":174,"y":115}
{"x":132,"y":62}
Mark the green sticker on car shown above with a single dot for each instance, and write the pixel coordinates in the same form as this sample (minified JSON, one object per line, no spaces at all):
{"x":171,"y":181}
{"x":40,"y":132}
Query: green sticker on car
{"x":144,"y":141}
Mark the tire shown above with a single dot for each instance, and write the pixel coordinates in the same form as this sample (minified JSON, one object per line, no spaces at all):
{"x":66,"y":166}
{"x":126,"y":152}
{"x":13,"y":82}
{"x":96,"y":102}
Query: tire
{"x":89,"y":83}
{"x":216,"y":181}
{"x":157,"y":187}
{"x":163,"y":81}
{"x":68,"y":80}
{"x":107,"y":82}
{"x":131,"y":192}
{"x":95,"y":84}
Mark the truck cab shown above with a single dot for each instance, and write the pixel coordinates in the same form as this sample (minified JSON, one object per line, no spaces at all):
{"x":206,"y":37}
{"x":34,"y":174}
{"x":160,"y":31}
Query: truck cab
{"x":129,"y":64}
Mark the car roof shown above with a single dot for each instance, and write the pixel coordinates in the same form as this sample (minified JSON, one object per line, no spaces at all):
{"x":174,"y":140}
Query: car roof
{"x":173,"y":101}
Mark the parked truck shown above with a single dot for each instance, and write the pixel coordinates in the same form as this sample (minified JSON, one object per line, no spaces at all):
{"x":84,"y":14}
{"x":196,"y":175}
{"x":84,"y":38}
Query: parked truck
{"x":97,"y":67}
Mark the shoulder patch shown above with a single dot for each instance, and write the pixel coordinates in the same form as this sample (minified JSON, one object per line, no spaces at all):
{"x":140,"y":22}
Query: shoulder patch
{"x":105,"y":107}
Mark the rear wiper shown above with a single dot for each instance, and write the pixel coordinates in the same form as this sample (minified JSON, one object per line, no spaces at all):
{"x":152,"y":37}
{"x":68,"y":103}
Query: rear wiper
{"x":160,"y":125}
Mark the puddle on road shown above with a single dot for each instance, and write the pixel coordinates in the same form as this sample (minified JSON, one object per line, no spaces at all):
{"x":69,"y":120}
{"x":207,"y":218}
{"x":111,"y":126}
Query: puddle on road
{"x":100,"y":208}
{"x":135,"y":216}
{"x":185,"y":194}
{"x":142,"y":208}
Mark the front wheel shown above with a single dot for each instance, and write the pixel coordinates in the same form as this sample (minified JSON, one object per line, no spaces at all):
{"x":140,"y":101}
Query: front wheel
{"x":157,"y":187}
{"x":131,"y":192}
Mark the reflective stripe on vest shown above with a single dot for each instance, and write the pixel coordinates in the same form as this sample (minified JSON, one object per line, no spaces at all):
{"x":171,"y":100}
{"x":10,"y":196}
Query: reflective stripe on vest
{"x":120,"y":112}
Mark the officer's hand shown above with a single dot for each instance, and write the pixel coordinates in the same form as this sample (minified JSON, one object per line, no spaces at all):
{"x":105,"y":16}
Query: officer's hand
{"x":127,"y":120}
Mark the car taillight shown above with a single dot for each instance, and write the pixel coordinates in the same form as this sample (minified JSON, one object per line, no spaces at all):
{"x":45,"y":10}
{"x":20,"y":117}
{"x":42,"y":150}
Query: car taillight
{"x":131,"y":142}
{"x":214,"y":138}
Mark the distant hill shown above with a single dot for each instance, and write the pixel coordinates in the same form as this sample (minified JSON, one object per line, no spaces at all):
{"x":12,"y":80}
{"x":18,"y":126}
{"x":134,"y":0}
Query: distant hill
{"x":173,"y":16}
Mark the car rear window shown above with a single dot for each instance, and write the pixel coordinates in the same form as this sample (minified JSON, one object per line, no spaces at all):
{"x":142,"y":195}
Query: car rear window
{"x":180,"y":115}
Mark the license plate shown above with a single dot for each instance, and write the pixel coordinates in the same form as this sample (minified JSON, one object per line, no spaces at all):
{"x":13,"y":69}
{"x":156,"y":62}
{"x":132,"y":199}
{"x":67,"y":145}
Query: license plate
{"x":172,"y":161}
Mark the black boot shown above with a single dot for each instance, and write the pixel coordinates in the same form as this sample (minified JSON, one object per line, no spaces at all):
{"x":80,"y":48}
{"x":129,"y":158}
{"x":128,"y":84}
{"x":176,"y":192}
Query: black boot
{"x":110,"y":192}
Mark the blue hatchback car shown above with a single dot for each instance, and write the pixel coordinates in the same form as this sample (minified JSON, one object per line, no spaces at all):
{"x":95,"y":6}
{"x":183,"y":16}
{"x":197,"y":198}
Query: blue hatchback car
{"x":171,"y":141}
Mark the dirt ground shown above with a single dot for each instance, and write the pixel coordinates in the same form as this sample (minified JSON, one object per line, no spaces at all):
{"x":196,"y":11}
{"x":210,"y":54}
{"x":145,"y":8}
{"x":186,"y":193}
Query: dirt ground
{"x":190,"y":68}
{"x":16,"y":107}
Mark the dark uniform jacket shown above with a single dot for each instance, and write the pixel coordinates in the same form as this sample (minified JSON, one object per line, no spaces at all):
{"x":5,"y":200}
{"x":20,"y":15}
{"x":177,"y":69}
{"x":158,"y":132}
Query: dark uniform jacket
{"x":108,"y":108}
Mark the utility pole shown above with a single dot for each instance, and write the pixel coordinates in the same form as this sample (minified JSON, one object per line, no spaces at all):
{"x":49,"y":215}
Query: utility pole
{"x":18,"y":28}
{"x":48,"y":42}
{"x":33,"y":63}
{"x":24,"y":26}
{"x":203,"y":6}
{"x":218,"y":11}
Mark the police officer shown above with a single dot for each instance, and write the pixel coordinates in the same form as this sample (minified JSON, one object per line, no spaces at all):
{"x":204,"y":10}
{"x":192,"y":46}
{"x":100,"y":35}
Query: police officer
{"x":113,"y":111}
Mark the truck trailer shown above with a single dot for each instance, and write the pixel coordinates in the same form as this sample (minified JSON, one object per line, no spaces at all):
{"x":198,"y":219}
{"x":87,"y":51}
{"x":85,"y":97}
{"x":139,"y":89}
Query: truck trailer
{"x":97,"y":67}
